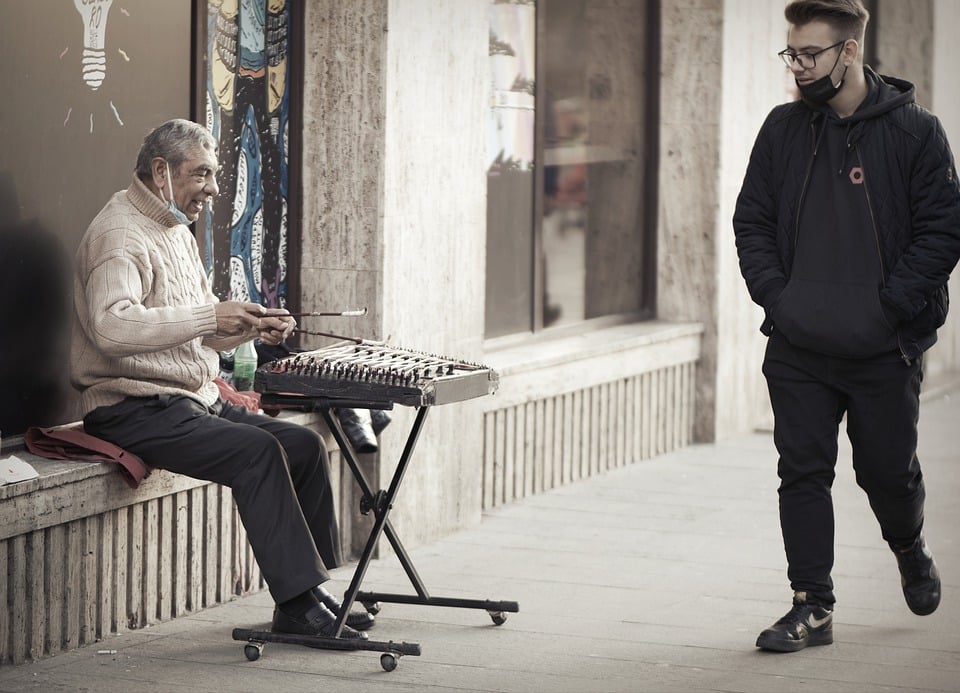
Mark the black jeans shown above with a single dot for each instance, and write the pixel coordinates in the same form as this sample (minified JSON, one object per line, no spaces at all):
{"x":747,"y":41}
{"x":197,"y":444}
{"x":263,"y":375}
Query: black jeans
{"x":278,"y":472}
{"x":810,"y":393}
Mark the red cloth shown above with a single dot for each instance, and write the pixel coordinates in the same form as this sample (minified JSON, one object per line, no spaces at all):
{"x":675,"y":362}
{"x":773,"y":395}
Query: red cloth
{"x":72,"y":443}
{"x":228,"y":393}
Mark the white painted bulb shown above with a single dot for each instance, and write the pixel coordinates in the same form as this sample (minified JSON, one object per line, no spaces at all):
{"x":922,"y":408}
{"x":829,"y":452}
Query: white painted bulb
{"x":94,"y":62}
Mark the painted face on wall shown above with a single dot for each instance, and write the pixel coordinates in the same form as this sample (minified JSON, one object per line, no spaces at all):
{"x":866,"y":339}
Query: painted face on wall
{"x":193,"y":184}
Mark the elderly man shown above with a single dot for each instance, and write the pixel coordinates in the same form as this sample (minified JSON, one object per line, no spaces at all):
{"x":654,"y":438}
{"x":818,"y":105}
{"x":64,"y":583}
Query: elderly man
{"x":144,"y":358}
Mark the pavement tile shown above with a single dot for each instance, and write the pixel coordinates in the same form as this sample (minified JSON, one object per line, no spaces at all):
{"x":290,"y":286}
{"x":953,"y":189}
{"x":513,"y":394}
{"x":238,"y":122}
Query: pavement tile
{"x":653,"y":577}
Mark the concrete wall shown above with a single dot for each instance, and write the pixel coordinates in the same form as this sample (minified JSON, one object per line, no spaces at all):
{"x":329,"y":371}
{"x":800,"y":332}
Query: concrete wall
{"x":434,"y":231}
{"x":691,"y":45}
{"x":394,"y":213}
{"x":719,"y":79}
{"x":751,"y":87}
{"x":945,"y":100}
{"x":579,"y":406}
{"x":904,"y":47}
{"x":944,"y":357}
{"x":343,"y":149}
{"x":394,"y":200}
{"x":914,"y":41}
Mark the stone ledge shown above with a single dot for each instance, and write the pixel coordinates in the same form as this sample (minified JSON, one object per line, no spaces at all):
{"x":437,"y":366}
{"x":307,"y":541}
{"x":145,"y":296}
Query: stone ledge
{"x":67,"y":491}
{"x":548,"y":367}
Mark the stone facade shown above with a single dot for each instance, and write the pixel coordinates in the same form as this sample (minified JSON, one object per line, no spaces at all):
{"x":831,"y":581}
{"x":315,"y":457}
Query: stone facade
{"x":393,"y":218}
{"x":394,"y":198}
{"x":944,"y":358}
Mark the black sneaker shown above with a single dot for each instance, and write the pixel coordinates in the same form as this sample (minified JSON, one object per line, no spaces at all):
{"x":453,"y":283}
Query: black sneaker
{"x":807,"y":623}
{"x":918,"y":576}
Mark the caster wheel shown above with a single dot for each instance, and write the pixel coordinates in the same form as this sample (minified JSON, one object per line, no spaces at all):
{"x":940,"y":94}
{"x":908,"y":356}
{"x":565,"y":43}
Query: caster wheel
{"x":389,"y":661}
{"x":373,"y":608}
{"x":498,"y":617}
{"x":252,"y":651}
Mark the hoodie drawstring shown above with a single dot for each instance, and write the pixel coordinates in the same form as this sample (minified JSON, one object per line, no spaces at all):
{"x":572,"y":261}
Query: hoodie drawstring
{"x":846,"y":151}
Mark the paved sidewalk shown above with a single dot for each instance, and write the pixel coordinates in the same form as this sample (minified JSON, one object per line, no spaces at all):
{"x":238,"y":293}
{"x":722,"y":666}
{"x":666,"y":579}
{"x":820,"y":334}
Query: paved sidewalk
{"x":656,"y":577}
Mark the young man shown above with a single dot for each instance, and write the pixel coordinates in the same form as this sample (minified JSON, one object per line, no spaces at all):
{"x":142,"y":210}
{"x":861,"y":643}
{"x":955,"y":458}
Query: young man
{"x":847,"y":229}
{"x":144,"y":358}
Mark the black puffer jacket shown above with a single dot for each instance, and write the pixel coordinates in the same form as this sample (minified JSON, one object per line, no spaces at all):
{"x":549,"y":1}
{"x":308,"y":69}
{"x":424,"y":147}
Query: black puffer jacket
{"x":914,"y":203}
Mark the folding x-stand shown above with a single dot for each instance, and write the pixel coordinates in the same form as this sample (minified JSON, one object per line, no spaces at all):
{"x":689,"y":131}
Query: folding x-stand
{"x":380,"y":502}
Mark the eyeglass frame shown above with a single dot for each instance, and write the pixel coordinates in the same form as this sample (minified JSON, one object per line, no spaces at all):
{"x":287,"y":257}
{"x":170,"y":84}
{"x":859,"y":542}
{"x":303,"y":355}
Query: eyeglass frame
{"x":791,"y":59}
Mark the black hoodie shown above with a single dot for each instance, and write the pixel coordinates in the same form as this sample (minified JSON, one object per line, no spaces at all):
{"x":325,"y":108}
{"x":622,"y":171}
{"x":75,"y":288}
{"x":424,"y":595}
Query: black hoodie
{"x":848,"y":228}
{"x":831,"y":302}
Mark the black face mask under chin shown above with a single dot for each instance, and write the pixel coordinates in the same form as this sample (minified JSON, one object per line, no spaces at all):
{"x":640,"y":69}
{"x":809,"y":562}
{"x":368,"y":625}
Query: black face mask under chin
{"x":822,"y":90}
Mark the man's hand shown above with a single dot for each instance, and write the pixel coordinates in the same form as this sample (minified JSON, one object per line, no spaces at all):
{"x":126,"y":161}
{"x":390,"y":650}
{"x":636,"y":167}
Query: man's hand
{"x":276,"y":325}
{"x":253,"y":321}
{"x":239,"y":318}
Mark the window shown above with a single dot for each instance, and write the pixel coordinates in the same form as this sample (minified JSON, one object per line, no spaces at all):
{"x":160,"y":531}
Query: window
{"x":570,"y":196}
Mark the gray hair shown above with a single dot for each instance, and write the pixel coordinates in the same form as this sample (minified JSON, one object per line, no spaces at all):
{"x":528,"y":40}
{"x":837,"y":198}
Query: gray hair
{"x":176,"y":141}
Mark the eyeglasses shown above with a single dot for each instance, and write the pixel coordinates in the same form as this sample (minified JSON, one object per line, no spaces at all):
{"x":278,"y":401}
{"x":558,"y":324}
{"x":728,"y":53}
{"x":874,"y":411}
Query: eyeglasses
{"x":806,"y":61}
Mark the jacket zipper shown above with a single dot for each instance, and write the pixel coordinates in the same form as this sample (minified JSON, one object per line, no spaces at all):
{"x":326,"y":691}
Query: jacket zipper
{"x":806,"y":180}
{"x":876,"y":237}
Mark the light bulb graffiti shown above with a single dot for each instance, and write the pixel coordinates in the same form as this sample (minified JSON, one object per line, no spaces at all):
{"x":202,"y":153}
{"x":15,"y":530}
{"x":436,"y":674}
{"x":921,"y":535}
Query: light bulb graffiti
{"x":94,"y":15}
{"x":93,"y":61}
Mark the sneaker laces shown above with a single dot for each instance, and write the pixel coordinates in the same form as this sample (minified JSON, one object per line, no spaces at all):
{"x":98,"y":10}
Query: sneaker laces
{"x":800,"y":608}
{"x":795,"y":615}
{"x":914,"y":562}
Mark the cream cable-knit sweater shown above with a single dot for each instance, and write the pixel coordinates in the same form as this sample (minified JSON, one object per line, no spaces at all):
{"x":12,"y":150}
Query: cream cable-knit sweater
{"x":144,"y":312}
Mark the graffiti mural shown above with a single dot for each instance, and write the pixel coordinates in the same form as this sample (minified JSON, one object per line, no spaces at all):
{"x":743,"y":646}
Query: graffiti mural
{"x":247,"y":108}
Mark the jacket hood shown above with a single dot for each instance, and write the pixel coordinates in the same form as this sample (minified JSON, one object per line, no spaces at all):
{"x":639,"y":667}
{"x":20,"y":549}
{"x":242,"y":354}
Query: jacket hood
{"x":884,"y":94}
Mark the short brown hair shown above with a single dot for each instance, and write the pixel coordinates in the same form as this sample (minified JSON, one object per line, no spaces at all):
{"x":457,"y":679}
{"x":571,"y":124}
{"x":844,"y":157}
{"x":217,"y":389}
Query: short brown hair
{"x":848,"y":17}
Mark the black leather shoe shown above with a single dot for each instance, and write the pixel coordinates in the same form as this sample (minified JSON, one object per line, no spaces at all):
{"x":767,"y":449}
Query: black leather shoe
{"x":806,"y":624}
{"x":358,"y":427}
{"x":357,"y":619}
{"x":318,"y":620}
{"x":379,"y":420}
{"x":919,"y":576}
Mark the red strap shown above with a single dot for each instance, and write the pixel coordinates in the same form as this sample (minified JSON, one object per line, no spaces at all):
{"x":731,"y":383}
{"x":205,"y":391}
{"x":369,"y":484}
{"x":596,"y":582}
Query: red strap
{"x":72,"y":443}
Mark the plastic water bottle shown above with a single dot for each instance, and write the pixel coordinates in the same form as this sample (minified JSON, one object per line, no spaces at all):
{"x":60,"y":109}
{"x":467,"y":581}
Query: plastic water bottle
{"x":244,"y":366}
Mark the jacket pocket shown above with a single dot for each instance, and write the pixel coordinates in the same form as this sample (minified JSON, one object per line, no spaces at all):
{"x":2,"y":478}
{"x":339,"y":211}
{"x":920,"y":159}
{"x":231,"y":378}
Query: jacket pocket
{"x":921,"y":331}
{"x":833,"y":318}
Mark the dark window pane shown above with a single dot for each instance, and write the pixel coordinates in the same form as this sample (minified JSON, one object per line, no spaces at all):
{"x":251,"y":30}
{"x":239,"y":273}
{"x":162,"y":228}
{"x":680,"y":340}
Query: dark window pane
{"x":567,"y":240}
{"x":593,"y":89}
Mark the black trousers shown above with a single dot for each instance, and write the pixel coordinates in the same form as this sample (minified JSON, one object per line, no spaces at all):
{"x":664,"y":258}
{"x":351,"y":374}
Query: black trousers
{"x":278,"y":472}
{"x":810,"y":394}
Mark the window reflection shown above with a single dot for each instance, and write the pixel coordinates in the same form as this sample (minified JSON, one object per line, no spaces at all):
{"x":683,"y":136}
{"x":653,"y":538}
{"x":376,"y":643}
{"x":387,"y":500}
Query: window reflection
{"x":567,"y":237}
{"x":593,"y":97}
{"x":563,"y":228}
{"x":510,"y":174}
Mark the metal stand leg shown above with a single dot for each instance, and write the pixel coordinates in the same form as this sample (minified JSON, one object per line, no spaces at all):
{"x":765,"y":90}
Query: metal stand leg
{"x":381,"y":503}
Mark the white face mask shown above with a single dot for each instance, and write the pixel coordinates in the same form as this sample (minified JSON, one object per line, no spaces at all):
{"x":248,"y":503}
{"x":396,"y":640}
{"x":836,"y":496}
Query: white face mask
{"x":172,"y":206}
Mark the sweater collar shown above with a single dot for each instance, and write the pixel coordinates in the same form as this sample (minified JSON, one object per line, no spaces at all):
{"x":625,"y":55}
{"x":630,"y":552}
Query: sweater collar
{"x":149,"y":204}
